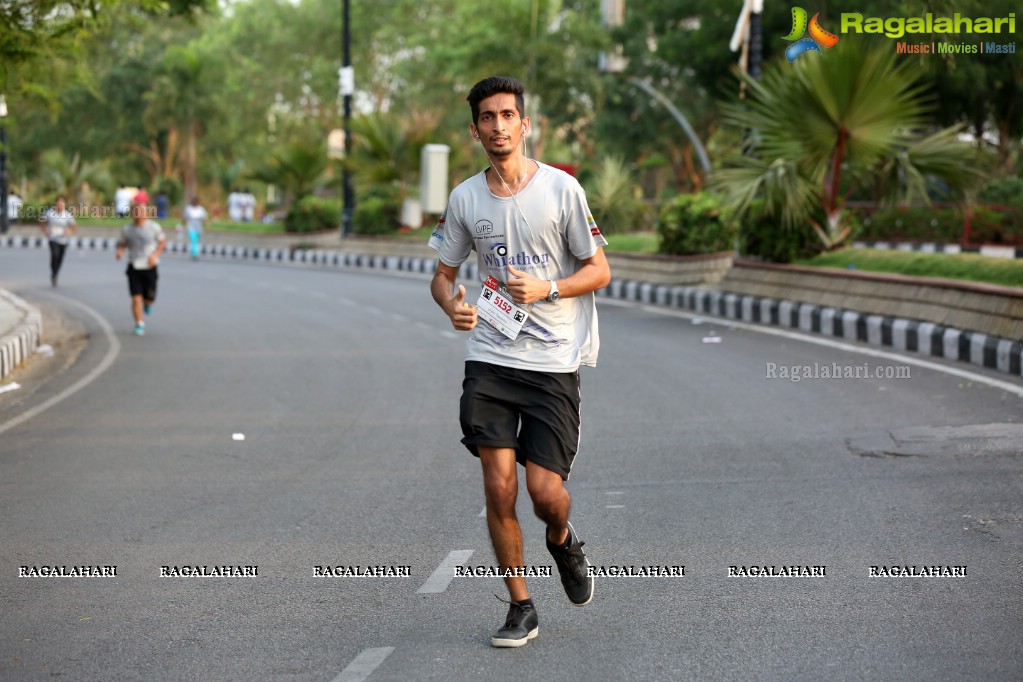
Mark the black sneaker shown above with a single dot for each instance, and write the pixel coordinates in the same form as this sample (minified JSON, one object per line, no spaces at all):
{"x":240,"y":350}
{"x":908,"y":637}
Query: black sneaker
{"x":521,"y":625}
{"x":574,"y":568}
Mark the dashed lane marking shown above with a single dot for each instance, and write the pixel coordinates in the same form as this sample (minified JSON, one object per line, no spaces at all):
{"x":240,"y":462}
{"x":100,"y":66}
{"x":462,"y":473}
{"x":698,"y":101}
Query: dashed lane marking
{"x":363,"y":665}
{"x":445,"y":573}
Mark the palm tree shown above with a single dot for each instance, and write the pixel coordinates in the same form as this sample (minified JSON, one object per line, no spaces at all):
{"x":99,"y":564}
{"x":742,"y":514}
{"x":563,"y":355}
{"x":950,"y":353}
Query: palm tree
{"x":614,"y":196}
{"x":851,"y":120}
{"x":179,"y":103}
{"x":71,"y":177}
{"x":297,"y":168}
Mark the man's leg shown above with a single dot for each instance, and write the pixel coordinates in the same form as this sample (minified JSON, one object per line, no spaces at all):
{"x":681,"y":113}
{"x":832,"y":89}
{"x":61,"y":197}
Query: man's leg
{"x":501,"y":487}
{"x":136,"y":308}
{"x":551,"y":501}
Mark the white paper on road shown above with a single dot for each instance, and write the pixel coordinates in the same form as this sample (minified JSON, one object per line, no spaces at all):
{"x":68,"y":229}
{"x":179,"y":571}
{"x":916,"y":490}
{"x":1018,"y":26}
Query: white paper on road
{"x":10,"y":387}
{"x":712,"y":339}
{"x":238,"y":436}
{"x":45,"y":350}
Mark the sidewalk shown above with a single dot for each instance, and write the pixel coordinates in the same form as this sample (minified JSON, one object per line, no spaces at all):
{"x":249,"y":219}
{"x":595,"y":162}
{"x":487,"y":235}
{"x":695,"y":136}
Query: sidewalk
{"x":21,"y":326}
{"x":883,"y":330}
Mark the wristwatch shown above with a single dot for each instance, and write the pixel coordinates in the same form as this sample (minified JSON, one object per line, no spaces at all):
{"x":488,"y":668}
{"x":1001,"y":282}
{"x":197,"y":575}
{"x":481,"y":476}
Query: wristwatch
{"x":554,"y":295}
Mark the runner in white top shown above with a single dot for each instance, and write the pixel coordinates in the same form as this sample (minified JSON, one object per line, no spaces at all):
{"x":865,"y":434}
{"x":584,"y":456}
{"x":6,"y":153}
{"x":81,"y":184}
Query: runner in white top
{"x":554,"y":338}
{"x":541,"y":258}
{"x":57,"y":224}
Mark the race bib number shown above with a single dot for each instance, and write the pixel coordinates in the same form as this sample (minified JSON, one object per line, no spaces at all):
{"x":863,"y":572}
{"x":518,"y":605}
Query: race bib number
{"x":496,"y":307}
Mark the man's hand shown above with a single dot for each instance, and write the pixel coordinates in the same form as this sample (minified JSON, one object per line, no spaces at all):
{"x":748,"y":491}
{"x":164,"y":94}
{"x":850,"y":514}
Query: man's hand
{"x":463,"y":315}
{"x":119,"y":253}
{"x":153,"y":260}
{"x":525,"y":288}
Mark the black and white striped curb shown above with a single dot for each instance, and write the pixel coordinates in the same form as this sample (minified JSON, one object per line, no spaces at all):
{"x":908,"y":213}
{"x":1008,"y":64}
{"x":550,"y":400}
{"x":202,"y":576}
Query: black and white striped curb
{"x":914,"y":336}
{"x":933,"y":247}
{"x":21,"y":342}
{"x":340,"y":259}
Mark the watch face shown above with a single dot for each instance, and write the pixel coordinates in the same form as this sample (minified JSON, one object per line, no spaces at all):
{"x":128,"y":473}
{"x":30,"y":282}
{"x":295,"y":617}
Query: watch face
{"x":554,"y":296}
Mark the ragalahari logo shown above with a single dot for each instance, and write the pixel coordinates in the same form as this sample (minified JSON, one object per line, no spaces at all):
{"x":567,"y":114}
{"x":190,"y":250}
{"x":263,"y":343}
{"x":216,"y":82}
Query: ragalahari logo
{"x":818,"y":36}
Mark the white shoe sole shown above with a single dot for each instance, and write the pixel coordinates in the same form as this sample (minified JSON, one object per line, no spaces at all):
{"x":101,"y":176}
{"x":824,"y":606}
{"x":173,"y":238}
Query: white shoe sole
{"x":501,"y":643}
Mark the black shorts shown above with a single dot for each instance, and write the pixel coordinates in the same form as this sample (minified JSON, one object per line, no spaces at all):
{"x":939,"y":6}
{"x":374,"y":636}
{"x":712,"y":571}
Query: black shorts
{"x":536,"y":413}
{"x":142,"y":282}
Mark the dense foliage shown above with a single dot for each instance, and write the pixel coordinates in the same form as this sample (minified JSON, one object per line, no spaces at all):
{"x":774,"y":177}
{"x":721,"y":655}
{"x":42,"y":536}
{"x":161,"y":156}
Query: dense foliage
{"x":201,"y":97}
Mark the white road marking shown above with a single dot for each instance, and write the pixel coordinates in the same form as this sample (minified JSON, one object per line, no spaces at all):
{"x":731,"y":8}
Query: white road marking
{"x":363,"y":665}
{"x":616,"y":506}
{"x":614,"y":492}
{"x":820,"y":341}
{"x":484,"y":512}
{"x":445,"y":573}
{"x":114,"y":347}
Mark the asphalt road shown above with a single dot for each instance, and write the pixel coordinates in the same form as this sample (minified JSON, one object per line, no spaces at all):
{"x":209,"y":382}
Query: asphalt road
{"x":345,"y":386}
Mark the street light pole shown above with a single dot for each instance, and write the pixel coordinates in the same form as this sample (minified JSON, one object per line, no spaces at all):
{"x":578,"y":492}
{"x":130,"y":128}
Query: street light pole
{"x":347,"y":78}
{"x":3,"y":167}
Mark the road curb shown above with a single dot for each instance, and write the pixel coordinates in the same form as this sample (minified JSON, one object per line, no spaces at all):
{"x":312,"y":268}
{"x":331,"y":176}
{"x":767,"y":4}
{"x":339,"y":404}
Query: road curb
{"x":907,"y":335}
{"x":20,"y":342}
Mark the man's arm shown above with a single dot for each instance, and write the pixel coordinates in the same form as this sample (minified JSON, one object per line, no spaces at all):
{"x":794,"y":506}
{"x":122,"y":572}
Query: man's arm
{"x":155,"y":256}
{"x":594,"y":274}
{"x":452,"y":301}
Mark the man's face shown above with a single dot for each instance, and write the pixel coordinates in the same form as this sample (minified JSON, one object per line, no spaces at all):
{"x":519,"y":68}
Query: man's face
{"x":500,"y":127}
{"x":138,"y":212}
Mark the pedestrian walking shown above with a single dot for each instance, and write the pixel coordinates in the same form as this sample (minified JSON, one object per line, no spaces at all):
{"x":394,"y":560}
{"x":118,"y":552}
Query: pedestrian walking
{"x":57,"y":223}
{"x":248,"y":205}
{"x":196,"y":220}
{"x":540,"y":257}
{"x":144,"y":240}
{"x":235,"y":205}
{"x":122,"y":200}
{"x":14,"y":203}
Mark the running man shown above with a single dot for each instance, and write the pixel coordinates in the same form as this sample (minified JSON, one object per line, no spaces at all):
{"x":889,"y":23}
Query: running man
{"x":540,"y":257}
{"x":145,"y":241}
{"x":57,"y":224}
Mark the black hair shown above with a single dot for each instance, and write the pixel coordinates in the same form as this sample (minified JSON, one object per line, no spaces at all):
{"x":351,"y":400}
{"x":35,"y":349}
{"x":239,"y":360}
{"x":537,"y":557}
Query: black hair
{"x":495,"y":85}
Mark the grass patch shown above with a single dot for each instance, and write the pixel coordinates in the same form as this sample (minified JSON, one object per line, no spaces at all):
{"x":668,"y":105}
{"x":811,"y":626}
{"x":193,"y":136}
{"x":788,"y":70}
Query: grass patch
{"x":965,"y":266}
{"x":170,"y":221}
{"x":632,"y":242}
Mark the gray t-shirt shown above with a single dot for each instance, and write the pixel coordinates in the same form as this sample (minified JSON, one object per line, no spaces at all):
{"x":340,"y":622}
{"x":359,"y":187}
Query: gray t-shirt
{"x":58,"y":224}
{"x":141,"y":241}
{"x":546,"y":230}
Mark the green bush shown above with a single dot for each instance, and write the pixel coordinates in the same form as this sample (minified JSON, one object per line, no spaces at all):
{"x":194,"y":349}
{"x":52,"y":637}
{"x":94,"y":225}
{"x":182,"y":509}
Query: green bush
{"x":696,"y":223}
{"x":1003,"y":191}
{"x":312,"y":214}
{"x":924,"y":223}
{"x":376,"y":213}
{"x":762,"y":236}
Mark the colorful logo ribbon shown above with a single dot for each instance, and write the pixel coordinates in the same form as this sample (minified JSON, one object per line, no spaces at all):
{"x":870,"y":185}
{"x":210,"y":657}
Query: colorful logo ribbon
{"x":818,"y":36}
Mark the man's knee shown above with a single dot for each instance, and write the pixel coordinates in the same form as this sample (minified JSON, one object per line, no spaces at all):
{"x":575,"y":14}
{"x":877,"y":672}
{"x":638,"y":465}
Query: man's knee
{"x":547,"y":493}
